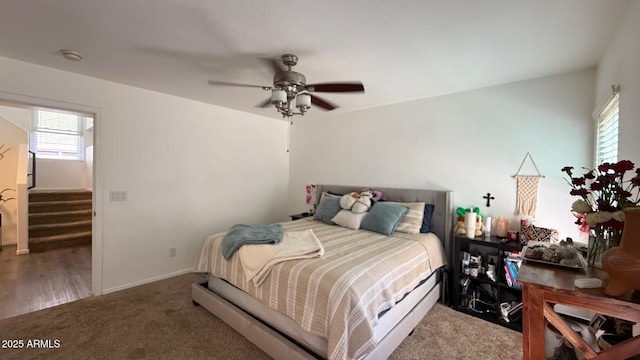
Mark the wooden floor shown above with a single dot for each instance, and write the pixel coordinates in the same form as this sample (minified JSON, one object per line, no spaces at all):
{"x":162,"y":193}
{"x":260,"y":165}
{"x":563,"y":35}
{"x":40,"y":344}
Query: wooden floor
{"x":41,"y":280}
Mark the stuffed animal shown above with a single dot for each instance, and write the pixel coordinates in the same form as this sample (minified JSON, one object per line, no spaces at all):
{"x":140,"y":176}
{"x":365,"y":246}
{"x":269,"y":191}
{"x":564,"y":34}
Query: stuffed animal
{"x":357,"y":203}
{"x":376,"y":195}
{"x":363,"y":203}
{"x":347,"y":200}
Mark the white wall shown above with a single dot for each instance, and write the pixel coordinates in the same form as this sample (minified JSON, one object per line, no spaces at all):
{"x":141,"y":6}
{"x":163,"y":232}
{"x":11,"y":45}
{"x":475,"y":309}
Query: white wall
{"x":621,"y":65}
{"x":11,"y":136}
{"x":190,"y":169}
{"x":19,"y":116}
{"x":470,"y":142}
{"x":61,"y":174}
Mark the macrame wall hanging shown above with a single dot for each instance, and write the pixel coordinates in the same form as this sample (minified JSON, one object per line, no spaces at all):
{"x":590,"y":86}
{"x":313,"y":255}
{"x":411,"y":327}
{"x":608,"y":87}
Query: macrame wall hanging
{"x":527,"y":193}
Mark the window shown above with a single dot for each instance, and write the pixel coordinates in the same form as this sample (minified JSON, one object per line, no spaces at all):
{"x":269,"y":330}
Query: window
{"x":58,"y":135}
{"x":607,"y":131}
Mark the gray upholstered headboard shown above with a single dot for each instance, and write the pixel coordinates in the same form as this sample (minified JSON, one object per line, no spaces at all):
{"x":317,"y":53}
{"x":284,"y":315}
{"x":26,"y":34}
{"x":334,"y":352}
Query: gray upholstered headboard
{"x":442,"y":220}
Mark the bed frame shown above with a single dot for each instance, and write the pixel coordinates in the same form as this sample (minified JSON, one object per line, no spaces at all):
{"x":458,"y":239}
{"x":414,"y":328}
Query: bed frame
{"x":279,"y":346}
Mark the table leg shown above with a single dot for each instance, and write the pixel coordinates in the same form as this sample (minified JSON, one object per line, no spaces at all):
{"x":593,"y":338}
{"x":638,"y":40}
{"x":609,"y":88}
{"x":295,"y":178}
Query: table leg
{"x":533,"y":323}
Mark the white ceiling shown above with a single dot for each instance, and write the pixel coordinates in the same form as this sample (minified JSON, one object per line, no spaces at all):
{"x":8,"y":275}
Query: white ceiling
{"x":400,"y":50}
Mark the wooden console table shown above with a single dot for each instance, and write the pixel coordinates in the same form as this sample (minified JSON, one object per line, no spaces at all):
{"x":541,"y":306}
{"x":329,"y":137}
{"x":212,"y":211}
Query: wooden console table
{"x":546,"y":285}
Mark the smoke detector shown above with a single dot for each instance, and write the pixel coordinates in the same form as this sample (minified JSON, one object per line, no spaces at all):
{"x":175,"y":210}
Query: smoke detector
{"x":71,"y":55}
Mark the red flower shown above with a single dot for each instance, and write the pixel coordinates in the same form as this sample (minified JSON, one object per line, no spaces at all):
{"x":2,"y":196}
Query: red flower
{"x":607,"y":189}
{"x":579,"y":192}
{"x":605,"y":167}
{"x":621,"y":166}
{"x":604,"y":206}
{"x":577,"y":181}
{"x":597,"y":185}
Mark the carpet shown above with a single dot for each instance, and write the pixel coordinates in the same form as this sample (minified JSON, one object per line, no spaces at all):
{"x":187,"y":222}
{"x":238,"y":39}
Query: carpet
{"x":159,"y":321}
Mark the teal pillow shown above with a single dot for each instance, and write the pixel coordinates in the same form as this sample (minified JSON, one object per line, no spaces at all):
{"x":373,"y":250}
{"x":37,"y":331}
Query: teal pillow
{"x":327,"y":209}
{"x":383,"y":218}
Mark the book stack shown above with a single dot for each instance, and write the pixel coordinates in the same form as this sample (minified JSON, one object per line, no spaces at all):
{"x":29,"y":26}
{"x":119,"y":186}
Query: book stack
{"x":512,"y":261}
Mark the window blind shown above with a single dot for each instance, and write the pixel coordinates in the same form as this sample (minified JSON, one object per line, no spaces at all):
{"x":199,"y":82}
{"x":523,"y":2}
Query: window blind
{"x":607,"y":132}
{"x":58,"y":135}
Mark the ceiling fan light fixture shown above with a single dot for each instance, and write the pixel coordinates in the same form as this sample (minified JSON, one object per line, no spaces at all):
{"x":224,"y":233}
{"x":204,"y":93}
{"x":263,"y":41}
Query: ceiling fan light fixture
{"x":303,"y":102}
{"x":278,"y":96}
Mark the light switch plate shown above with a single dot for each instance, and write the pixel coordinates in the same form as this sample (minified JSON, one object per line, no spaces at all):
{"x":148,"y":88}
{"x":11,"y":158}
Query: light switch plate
{"x":117,"y":196}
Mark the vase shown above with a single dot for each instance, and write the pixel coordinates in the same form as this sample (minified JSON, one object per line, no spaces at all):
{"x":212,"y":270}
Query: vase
{"x":601,"y":240}
{"x":622,"y":263}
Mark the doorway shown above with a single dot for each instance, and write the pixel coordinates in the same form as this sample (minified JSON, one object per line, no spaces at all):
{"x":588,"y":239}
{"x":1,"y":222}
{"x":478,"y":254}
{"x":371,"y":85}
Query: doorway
{"x":57,"y":265}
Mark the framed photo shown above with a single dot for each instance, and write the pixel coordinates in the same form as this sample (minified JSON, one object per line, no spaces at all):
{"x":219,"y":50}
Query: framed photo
{"x":596,"y":322}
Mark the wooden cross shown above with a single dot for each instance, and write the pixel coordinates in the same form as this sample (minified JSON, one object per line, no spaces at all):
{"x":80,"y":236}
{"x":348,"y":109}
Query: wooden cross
{"x":489,"y":198}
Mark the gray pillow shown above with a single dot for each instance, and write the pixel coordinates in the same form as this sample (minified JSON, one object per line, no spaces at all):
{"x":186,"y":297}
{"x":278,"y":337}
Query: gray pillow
{"x":383,"y":218}
{"x":327,"y":209}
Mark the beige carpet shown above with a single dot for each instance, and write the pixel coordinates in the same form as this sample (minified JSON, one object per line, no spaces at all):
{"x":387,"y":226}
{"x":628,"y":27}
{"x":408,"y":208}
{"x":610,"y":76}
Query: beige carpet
{"x":158,"y":321}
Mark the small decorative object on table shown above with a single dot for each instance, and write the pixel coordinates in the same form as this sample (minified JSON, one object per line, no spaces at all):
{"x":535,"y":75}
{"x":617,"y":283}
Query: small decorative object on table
{"x":502,"y":227}
{"x":562,"y":254}
{"x":604,"y":193}
{"x":536,"y":233}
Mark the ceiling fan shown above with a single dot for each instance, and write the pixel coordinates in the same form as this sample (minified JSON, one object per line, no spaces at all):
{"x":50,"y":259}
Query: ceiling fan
{"x":290,"y":90}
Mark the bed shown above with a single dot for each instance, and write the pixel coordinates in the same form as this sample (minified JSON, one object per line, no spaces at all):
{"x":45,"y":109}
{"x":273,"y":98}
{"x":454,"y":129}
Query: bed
{"x":358,"y":301}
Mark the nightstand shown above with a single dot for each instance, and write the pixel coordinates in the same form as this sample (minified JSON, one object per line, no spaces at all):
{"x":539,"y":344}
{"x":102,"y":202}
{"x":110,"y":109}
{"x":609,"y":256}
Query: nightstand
{"x":299,"y":216}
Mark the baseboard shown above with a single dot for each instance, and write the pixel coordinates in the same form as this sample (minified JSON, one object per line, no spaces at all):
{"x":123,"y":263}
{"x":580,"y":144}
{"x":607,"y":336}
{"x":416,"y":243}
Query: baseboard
{"x":22,"y":252}
{"x":146,"y":281}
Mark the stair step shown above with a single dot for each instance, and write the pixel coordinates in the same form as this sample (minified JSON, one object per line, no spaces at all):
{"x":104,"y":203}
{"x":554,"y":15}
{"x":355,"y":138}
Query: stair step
{"x":53,"y":242}
{"x":60,"y":195}
{"x":57,"y":206}
{"x":59,"y":217}
{"x":43,"y":239}
{"x":67,"y":228}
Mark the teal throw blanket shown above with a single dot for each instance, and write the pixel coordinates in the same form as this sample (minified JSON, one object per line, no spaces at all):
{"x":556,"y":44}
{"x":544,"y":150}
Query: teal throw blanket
{"x":241,"y":234}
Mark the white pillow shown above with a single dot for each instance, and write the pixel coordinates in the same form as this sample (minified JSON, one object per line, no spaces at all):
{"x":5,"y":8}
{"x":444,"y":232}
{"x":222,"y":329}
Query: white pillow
{"x":348,"y":219}
{"x":412,"y":221}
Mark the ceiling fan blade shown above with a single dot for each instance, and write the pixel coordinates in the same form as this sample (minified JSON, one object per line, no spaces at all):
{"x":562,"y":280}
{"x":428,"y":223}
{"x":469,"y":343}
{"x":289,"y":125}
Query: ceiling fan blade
{"x":322,"y":103}
{"x":264,"y":104}
{"x":274,"y":64}
{"x":226,"y":83}
{"x":336,"y":87}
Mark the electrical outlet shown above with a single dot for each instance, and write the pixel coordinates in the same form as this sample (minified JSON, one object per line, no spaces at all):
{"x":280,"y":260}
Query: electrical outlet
{"x":173,"y":251}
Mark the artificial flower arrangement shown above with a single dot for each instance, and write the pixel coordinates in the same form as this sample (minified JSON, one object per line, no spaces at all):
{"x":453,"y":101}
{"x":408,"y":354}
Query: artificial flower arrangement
{"x":311,"y":197}
{"x":604,"y":192}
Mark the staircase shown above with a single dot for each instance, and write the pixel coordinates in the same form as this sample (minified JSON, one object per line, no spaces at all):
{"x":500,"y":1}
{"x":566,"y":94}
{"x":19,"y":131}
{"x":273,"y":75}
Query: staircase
{"x":59,"y":218}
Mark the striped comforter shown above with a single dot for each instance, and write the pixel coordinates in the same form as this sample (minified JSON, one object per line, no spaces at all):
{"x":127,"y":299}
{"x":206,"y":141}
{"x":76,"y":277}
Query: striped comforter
{"x":339,"y":295}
